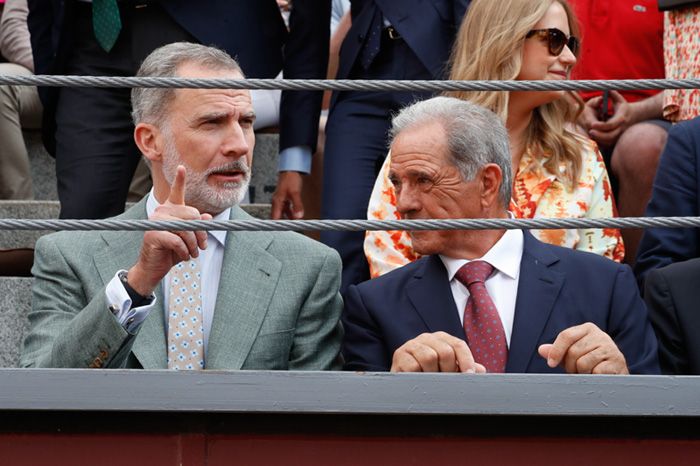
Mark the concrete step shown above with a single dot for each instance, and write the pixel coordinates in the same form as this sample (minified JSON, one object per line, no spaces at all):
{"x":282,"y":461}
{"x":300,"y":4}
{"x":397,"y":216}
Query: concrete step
{"x":15,"y":303}
{"x":50,"y":209}
{"x":262,"y":184}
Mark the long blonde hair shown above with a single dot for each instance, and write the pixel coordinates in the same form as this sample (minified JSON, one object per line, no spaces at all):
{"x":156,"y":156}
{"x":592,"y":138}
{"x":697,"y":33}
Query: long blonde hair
{"x":489,"y":45}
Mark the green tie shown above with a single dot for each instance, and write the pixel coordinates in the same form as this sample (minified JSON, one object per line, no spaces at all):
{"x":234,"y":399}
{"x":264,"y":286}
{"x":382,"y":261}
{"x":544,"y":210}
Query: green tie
{"x":106,"y":22}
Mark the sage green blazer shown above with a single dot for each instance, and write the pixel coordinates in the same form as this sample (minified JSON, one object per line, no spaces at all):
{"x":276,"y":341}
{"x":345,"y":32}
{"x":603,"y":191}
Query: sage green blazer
{"x":278,"y":305}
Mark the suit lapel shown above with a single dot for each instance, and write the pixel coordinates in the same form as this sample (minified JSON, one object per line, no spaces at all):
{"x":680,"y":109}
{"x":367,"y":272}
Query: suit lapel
{"x":538,"y":290}
{"x":121,"y":252}
{"x":249,"y":276}
{"x":429,"y":292}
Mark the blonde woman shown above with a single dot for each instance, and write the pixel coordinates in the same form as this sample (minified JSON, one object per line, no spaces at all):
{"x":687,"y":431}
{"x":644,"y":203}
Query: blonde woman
{"x":558,"y":172}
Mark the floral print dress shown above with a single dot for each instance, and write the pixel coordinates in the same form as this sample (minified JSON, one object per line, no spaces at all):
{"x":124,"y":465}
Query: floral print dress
{"x":682,"y":61}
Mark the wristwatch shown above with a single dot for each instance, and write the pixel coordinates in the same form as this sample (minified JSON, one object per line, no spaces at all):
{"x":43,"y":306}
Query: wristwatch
{"x":136,"y":299}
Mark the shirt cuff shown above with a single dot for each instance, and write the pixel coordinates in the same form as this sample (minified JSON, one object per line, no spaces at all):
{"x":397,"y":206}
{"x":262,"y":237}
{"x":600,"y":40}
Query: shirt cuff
{"x":295,"y":159}
{"x":120,"y":305}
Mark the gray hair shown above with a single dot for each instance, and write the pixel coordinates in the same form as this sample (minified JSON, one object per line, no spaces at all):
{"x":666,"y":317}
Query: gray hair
{"x":475,"y":136}
{"x":149,"y":104}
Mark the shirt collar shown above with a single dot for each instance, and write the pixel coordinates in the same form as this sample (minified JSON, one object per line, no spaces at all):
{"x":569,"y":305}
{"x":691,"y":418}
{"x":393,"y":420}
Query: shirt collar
{"x":219,"y":235}
{"x":504,"y":256}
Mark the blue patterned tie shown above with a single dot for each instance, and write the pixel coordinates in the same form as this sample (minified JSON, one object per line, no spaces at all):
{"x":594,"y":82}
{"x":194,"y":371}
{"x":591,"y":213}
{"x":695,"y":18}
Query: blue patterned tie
{"x":185,"y":321}
{"x":106,"y":22}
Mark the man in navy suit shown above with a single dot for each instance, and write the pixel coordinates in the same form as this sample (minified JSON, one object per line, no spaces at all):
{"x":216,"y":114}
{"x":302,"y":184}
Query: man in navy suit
{"x":676,"y":193}
{"x":90,"y":130}
{"x":486,"y":300}
{"x":388,"y":39}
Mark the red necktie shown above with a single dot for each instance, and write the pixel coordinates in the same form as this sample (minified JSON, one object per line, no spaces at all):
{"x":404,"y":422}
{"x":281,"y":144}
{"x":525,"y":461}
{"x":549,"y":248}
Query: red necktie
{"x":482,"y":324}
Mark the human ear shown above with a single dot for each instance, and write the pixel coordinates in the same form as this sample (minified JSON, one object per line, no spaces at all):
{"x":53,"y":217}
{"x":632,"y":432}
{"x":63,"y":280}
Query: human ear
{"x":149,"y":140}
{"x":491,"y":179}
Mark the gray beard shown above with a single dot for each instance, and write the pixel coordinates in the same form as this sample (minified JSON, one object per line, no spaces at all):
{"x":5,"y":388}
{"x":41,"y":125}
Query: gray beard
{"x":198,"y":193}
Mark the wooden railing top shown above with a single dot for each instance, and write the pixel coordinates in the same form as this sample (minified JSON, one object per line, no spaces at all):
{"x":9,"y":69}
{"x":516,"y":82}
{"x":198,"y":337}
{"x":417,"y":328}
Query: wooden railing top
{"x":347,"y":393}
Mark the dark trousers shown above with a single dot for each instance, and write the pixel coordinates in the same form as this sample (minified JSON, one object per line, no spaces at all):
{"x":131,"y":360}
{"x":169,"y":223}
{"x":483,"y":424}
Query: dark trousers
{"x":95,"y":151}
{"x":356,"y":145}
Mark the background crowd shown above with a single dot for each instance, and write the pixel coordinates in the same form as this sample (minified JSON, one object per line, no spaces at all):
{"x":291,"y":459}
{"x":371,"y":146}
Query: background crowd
{"x":586,"y":155}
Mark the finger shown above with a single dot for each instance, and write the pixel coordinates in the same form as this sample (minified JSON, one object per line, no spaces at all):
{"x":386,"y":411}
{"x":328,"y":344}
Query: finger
{"x":588,"y":361}
{"x":447,"y":359}
{"x":201,"y":237}
{"x":174,"y":243}
{"x":595,"y":102}
{"x":297,"y":207}
{"x":203,"y":243}
{"x":563,"y":342}
{"x":460,"y":350}
{"x":189,"y":239}
{"x":575,"y":361}
{"x":479,"y":368}
{"x":604,"y":139}
{"x":287,"y":211}
{"x":617,"y":97}
{"x":277,"y":205}
{"x":465,"y":359}
{"x":177,"y":190}
{"x":611,"y":367}
{"x":404,"y":362}
{"x":426,"y":357}
{"x":610,"y":125}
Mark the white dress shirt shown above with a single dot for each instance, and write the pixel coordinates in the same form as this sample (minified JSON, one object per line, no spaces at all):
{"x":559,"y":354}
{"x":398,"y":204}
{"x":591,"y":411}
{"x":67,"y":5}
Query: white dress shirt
{"x":502,"y":285}
{"x":210,"y":261}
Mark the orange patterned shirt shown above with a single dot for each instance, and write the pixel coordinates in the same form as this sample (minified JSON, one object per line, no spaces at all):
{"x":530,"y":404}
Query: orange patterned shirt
{"x":682,"y":61}
{"x":536,"y":193}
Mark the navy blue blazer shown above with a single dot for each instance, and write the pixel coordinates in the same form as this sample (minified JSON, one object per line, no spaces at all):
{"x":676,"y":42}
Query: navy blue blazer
{"x":676,"y":192}
{"x":252,"y":31}
{"x":428,"y":27}
{"x":559,"y":288}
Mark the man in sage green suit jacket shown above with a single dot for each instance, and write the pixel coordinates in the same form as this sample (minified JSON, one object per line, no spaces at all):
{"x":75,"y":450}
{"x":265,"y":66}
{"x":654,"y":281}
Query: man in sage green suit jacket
{"x":277,"y":304}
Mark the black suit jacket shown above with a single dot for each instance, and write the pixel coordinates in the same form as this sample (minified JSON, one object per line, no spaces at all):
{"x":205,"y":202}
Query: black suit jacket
{"x":672,"y":296}
{"x":558,"y":288}
{"x":428,"y":27}
{"x":250,"y":30}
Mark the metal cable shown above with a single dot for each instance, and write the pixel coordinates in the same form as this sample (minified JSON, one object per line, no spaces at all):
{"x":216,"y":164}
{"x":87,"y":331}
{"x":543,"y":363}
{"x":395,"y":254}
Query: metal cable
{"x":349,"y":225}
{"x":347,"y":84}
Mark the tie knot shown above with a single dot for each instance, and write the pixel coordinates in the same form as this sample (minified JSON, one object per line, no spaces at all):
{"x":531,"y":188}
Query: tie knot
{"x":474,"y":272}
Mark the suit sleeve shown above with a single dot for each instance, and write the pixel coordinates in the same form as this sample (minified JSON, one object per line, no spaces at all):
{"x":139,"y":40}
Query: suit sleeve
{"x":675,"y":193}
{"x":319,"y":332}
{"x":363,"y":348}
{"x":629,"y":325}
{"x":64,"y":329}
{"x":673,"y":356}
{"x":305,"y":57}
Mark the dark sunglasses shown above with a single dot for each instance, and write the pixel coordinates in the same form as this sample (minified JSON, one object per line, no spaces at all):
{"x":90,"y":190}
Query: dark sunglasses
{"x":556,"y":40}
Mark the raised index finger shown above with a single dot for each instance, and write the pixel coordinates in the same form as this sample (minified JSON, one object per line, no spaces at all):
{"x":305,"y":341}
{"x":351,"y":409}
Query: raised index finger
{"x":177,"y":190}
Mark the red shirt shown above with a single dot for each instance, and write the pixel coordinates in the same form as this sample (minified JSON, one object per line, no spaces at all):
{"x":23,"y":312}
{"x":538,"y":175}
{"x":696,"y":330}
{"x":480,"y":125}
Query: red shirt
{"x":621,"y":39}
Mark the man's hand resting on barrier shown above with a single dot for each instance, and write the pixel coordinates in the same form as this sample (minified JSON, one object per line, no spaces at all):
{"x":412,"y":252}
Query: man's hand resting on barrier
{"x":161,"y":250}
{"x":435,"y":352}
{"x":585,"y":349}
